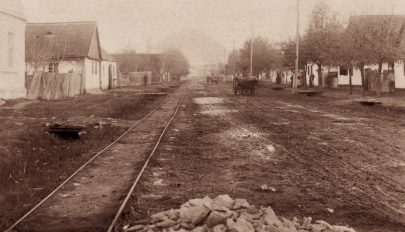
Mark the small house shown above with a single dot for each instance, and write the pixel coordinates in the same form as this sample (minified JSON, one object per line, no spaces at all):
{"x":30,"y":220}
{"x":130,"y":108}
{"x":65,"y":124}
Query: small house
{"x":68,"y":47}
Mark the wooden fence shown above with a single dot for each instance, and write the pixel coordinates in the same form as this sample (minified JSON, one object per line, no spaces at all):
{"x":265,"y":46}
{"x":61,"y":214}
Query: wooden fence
{"x":139,"y":78}
{"x":50,"y":86}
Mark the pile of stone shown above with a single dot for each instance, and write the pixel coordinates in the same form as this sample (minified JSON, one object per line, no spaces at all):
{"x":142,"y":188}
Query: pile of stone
{"x":224,"y":214}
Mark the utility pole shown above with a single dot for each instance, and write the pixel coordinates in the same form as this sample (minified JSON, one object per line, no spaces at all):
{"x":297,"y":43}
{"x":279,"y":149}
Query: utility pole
{"x":295,"y":79}
{"x":233,"y":59}
{"x":251,"y":50}
{"x":225,"y":62}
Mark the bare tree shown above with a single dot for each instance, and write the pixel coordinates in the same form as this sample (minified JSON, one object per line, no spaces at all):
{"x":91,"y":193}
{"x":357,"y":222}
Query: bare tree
{"x":41,"y":52}
{"x":322,"y":37}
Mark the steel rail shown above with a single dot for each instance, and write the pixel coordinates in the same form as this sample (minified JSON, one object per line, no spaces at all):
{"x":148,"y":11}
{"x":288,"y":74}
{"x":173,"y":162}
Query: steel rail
{"x":78,"y":170}
{"x":124,"y":203}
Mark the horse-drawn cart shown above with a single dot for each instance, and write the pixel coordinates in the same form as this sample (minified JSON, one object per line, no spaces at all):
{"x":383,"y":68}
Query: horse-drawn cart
{"x":245,"y":86}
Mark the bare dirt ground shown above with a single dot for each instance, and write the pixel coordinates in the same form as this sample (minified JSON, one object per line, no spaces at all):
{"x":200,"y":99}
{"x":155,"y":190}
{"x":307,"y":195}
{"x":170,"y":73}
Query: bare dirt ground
{"x":33,"y":162}
{"x":305,"y":156}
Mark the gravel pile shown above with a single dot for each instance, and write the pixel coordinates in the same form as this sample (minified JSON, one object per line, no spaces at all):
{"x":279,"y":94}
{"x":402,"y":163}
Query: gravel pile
{"x":224,"y":214}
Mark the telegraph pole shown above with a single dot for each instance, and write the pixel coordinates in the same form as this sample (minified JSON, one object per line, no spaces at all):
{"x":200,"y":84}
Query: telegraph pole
{"x":251,"y":50}
{"x":295,"y":79}
{"x":233,"y":59}
{"x":225,"y":62}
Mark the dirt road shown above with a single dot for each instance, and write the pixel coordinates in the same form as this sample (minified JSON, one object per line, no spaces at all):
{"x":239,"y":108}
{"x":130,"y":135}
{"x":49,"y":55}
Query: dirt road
{"x":323,"y":157}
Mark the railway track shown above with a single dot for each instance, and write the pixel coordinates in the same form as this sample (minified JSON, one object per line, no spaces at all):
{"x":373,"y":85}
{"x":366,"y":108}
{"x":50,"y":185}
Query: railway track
{"x":83,"y":202}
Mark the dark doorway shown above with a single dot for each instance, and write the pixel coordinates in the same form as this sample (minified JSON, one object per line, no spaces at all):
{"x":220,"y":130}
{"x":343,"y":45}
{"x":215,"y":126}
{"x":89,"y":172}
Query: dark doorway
{"x":110,"y":79}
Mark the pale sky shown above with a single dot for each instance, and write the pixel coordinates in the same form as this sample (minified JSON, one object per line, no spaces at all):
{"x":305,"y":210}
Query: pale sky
{"x":136,"y":23}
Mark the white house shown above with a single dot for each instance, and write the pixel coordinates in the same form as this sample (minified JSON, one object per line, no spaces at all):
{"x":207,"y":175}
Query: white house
{"x":342,"y":79}
{"x":69,"y":47}
{"x":12,"y":49}
{"x":343,"y":74}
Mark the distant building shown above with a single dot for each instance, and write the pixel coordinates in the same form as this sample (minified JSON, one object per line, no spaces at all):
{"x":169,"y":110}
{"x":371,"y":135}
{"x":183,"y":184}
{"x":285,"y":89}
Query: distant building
{"x":109,"y":73}
{"x":140,"y":62}
{"x":70,"y":47}
{"x":12,"y":49}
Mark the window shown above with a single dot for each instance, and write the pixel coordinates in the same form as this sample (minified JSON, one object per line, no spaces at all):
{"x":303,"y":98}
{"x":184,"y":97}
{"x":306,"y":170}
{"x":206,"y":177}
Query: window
{"x":10,"y":50}
{"x":343,"y":71}
{"x":53,"y":67}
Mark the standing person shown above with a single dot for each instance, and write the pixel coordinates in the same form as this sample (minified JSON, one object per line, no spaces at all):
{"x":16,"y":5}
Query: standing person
{"x":278,"y":78}
{"x":292,"y":79}
{"x":311,"y":80}
{"x":391,"y":83}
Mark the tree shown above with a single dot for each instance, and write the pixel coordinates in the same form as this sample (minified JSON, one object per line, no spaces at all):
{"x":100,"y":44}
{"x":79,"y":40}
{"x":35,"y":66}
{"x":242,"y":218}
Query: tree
{"x":321,"y":40}
{"x":41,"y":52}
{"x":127,"y":60}
{"x":289,"y":54}
{"x":265,"y":56}
{"x":375,"y":40}
{"x":175,"y":62}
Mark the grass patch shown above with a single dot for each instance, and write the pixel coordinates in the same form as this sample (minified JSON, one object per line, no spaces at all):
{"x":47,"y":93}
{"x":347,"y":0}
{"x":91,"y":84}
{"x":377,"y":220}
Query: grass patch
{"x":33,"y":162}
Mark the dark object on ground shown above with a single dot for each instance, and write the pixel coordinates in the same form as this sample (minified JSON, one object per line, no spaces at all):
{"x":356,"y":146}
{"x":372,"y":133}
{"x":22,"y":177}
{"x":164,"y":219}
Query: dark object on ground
{"x":278,"y":87}
{"x":310,"y":92}
{"x":66,"y":131}
{"x":369,"y":102}
{"x":211,"y":80}
{"x":243,"y":86}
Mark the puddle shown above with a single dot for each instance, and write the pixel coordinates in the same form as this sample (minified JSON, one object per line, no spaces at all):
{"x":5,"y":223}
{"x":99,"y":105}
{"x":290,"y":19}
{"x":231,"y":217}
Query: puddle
{"x":261,"y":154}
{"x":159,"y":182}
{"x":398,"y":165}
{"x":348,"y":123}
{"x":242,"y":134}
{"x":293,"y":106}
{"x":314,"y":111}
{"x":292,"y":111}
{"x":280,"y":123}
{"x":266,"y":153}
{"x":271,"y":148}
{"x":208,"y":100}
{"x":217,"y":112}
{"x":337,"y":117}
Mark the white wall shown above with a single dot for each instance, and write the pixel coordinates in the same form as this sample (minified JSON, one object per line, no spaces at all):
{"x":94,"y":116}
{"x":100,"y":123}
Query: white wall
{"x":356,"y":78}
{"x":104,"y":73}
{"x":399,"y":75}
{"x":63,"y":67}
{"x":92,"y":80}
{"x":314,"y":68}
{"x":12,"y":79}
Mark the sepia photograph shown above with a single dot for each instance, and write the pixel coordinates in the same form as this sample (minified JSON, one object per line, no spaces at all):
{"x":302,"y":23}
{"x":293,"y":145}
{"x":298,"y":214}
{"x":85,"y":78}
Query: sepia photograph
{"x":202,"y":115}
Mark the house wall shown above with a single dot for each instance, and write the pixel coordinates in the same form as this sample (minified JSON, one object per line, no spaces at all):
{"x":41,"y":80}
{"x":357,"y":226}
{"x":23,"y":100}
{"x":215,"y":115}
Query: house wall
{"x":104,"y":73}
{"x":313,"y":68}
{"x":356,"y":78}
{"x":92,"y":76}
{"x":12,"y":79}
{"x":69,"y":66}
{"x":399,"y":75}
